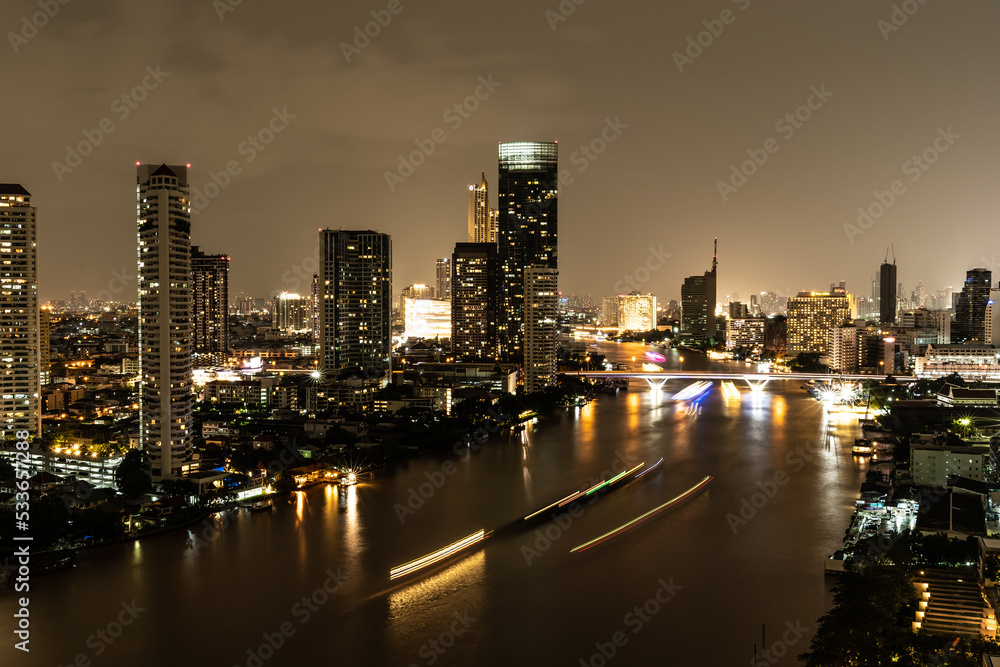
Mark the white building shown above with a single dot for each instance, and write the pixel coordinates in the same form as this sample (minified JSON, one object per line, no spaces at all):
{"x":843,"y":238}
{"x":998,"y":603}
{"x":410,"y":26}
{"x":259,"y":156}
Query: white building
{"x":845,"y":353}
{"x":67,"y":462}
{"x":541,"y":309}
{"x":20,"y":372}
{"x":636,"y":312}
{"x":163,"y":212}
{"x":932,"y":465}
{"x":973,"y":361}
{"x":745,"y":332}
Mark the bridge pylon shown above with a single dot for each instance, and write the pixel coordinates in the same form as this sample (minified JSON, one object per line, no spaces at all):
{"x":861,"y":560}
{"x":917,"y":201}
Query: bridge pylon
{"x":757,"y":385}
{"x":657,"y":385}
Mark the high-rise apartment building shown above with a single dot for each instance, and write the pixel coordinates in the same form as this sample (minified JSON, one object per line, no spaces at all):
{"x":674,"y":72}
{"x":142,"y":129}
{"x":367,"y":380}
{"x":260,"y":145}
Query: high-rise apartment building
{"x":811,"y":316}
{"x":527,"y":234}
{"x":210,"y":284}
{"x":482,"y":219}
{"x":887,"y":293}
{"x":292,"y":313}
{"x":20,"y":373}
{"x":698,"y":295}
{"x":355,"y":301}
{"x":970,"y":307}
{"x":636,"y":312}
{"x":163,"y":221}
{"x":475,"y":301}
{"x":844,"y":349}
{"x":541,"y":326}
{"x":45,"y":344}
{"x":443,"y":275}
{"x":609,"y":311}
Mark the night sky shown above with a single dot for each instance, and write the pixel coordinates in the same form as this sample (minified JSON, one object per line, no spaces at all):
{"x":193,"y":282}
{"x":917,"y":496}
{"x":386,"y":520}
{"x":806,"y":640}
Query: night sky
{"x":888,"y":92}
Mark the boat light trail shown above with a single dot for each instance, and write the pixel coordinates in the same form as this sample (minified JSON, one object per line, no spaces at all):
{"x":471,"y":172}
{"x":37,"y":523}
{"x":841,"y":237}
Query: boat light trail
{"x":650,"y":468}
{"x":693,"y":391}
{"x":642,"y":517}
{"x":579,"y":494}
{"x":439,"y":555}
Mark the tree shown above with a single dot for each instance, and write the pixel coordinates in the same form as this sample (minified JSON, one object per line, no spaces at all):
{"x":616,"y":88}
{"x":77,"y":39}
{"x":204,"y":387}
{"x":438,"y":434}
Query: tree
{"x":285,"y":482}
{"x":6,"y":469}
{"x":132,"y":476}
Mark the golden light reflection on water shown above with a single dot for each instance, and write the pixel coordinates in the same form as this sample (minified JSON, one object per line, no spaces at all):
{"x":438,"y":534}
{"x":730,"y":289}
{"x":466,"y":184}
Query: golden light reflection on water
{"x":429,"y":593}
{"x":633,"y":404}
{"x":347,"y":504}
{"x":300,"y":505}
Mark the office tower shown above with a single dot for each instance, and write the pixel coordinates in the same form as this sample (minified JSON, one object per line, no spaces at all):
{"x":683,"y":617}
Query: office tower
{"x":738,"y":310}
{"x":992,"y":319}
{"x":210,"y":284}
{"x":609,"y":311}
{"x":482,"y":219}
{"x":292,"y":313}
{"x":811,"y":316}
{"x":44,"y":344}
{"x":970,"y":307}
{"x":745,"y":332}
{"x":527,"y":229}
{"x":163,"y":221}
{"x":698,"y":304}
{"x":768,"y":303}
{"x":475,"y":301}
{"x":78,"y":300}
{"x":443,"y":272}
{"x":887,"y":294}
{"x":355,"y":301}
{"x":20,"y":371}
{"x":754,"y":305}
{"x":541,"y":326}
{"x":636,"y":312}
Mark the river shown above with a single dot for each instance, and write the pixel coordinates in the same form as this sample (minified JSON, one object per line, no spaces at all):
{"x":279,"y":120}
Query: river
{"x":693,"y":585}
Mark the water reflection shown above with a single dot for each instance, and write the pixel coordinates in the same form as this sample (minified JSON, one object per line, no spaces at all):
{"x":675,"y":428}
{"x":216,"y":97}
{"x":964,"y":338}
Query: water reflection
{"x":425,"y":594}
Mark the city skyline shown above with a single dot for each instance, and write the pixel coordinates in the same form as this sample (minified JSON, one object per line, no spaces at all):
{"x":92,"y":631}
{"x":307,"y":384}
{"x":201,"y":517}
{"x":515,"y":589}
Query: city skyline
{"x":846,"y":155}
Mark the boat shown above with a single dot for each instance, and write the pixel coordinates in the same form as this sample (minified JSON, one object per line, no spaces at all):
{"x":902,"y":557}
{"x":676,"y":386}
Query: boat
{"x":260,"y":506}
{"x":44,"y":563}
{"x":350,"y":479}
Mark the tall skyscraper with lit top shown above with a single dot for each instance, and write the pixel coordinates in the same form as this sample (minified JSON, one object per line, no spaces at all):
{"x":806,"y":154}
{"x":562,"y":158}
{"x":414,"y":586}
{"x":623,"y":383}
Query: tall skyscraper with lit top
{"x":163,"y":222}
{"x":20,"y":374}
{"x":482,"y":219}
{"x":527,"y":231}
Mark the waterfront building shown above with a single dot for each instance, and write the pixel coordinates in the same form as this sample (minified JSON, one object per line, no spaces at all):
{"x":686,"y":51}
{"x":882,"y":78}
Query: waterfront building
{"x":541,"y":327}
{"x":746,"y":332}
{"x":163,"y":211}
{"x":698,"y":321}
{"x":932,"y":465}
{"x":355,"y":301}
{"x":973,"y":361}
{"x":636,"y":312}
{"x":20,"y":355}
{"x":527,"y":234}
{"x":210,"y":285}
{"x":609,"y":311}
{"x":811,"y":316}
{"x":475,"y":301}
{"x":970,"y":307}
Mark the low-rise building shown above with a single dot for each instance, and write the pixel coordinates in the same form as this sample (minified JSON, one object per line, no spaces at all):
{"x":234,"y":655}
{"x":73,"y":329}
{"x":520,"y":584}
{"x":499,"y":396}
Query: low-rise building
{"x":932,"y":465}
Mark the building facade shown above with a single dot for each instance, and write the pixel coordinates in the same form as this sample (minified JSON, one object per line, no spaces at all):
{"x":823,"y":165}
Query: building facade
{"x":970,"y":307}
{"x":636,"y":312}
{"x":811,"y":316}
{"x":746,"y":332}
{"x":355,"y":301}
{"x":527,"y":234}
{"x":887,"y":293}
{"x":541,"y":327}
{"x":20,"y":351}
{"x":163,"y":211}
{"x":698,"y":297}
{"x":292,"y":313}
{"x":443,"y":283}
{"x":475,"y":299}
{"x":482,"y":219}
{"x":210,"y":282}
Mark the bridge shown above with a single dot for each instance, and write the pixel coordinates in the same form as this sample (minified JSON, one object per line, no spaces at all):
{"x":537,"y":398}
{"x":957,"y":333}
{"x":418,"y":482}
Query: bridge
{"x":757,"y":381}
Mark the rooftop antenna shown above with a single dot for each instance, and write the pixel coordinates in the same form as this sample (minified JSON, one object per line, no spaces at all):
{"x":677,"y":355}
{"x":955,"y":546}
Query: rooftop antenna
{"x":715,"y":255}
{"x":893,"y":246}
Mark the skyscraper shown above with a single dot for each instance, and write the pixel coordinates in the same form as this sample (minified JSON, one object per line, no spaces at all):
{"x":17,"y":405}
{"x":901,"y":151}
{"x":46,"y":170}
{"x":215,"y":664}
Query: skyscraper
{"x":970,"y":307}
{"x":19,"y":341}
{"x":210,"y":283}
{"x":475,"y":297}
{"x":482,"y":219}
{"x":292,"y":313}
{"x":887,"y":292}
{"x":698,"y":304}
{"x":355,"y":301}
{"x":163,"y":221}
{"x":541,"y":326}
{"x":443,"y":273}
{"x":527,"y":229}
{"x":636,"y":312}
{"x":44,"y":343}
